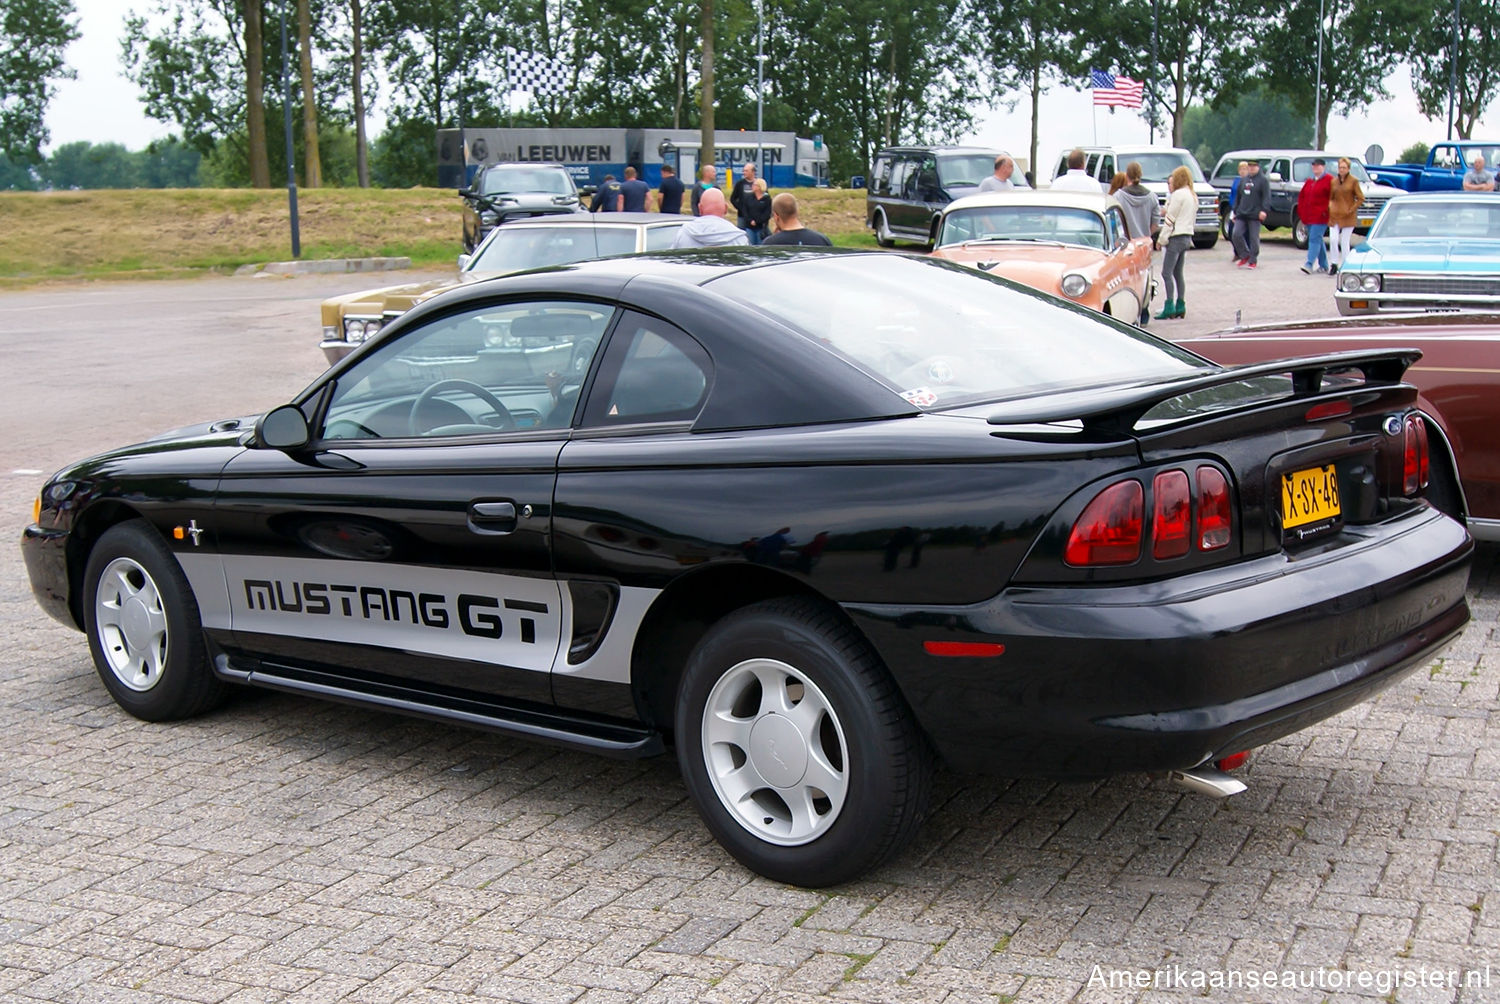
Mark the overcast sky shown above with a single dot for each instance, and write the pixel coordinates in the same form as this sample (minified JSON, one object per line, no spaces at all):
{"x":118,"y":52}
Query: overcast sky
{"x":103,"y":106}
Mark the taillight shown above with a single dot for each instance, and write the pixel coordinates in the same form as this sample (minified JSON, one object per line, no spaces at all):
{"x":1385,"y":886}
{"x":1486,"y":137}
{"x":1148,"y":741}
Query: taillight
{"x":1109,"y":530}
{"x":1183,"y":519}
{"x":1215,"y":513}
{"x":1415,"y":465}
{"x":1171,"y":515}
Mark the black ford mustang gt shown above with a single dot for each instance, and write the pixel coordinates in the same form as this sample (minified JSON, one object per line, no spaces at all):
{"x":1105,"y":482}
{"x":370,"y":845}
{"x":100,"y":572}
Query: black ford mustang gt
{"x":818,"y":520}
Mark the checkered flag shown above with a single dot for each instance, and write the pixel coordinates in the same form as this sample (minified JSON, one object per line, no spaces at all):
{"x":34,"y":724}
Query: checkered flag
{"x":536,"y":72}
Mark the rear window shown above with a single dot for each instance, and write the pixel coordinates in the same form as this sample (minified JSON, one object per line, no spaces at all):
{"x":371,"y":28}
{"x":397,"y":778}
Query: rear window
{"x":943,"y":335}
{"x":513,"y":248}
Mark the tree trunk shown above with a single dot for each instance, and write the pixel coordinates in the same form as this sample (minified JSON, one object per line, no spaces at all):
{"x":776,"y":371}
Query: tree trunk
{"x":361,"y":144}
{"x":313,"y":171}
{"x":1036,"y":105}
{"x":706,"y":152}
{"x":255,"y":97}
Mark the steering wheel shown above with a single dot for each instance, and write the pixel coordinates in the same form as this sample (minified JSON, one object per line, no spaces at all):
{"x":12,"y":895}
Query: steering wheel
{"x":414,"y":423}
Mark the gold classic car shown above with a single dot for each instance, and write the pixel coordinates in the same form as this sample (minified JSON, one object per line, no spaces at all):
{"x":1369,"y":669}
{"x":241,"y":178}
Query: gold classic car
{"x":352,"y":319}
{"x":1073,"y":245}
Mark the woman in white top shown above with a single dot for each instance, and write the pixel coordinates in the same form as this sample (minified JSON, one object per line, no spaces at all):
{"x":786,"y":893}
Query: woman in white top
{"x":1177,"y":235}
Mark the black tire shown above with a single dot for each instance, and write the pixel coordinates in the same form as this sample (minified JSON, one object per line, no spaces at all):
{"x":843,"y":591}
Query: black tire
{"x":1226,"y":223}
{"x":862,"y":731}
{"x":1205,"y":241}
{"x":153,"y":660}
{"x":882,"y":230}
{"x":1299,"y":232}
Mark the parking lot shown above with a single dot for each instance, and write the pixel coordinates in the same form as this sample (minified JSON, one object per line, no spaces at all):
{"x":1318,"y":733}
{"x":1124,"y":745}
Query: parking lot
{"x":279,"y":849}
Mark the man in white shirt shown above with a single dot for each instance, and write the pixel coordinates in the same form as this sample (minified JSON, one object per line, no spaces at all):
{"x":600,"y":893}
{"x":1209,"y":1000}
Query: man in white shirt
{"x":1077,"y":179}
{"x":710,"y":229}
{"x":1000,"y":180}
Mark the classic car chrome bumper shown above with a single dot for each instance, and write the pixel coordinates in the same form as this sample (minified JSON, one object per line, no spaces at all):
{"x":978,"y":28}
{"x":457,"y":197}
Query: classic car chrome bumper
{"x":1359,"y":302}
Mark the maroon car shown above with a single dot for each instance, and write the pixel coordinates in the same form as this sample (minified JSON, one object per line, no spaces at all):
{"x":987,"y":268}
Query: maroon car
{"x":1458,"y":378}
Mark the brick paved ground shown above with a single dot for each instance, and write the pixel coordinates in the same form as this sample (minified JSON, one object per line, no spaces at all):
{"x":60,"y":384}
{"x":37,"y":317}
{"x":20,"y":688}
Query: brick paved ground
{"x":286,"y":850}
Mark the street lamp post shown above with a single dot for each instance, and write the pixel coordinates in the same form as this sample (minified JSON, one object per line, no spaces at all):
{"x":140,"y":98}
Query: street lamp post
{"x":1318,"y":87}
{"x":760,"y":100}
{"x":291,"y":160}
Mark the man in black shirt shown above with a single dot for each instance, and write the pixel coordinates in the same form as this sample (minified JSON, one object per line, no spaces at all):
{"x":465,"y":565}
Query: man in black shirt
{"x":789,"y":229}
{"x":671,"y":190}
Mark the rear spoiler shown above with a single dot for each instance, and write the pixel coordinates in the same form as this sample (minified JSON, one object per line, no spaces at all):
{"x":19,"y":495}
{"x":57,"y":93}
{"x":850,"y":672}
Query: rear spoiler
{"x":1117,"y":409}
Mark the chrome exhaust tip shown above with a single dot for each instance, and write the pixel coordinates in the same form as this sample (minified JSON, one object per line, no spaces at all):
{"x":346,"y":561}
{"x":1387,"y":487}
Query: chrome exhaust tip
{"x":1207,"y":781}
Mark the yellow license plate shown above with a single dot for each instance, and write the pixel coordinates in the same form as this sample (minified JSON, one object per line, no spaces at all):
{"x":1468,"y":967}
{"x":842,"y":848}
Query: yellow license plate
{"x":1309,"y":496}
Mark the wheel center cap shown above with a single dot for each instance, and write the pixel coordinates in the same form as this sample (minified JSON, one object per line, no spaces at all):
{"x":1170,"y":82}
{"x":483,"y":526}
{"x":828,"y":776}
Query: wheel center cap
{"x":778,"y":751}
{"x":135,"y":622}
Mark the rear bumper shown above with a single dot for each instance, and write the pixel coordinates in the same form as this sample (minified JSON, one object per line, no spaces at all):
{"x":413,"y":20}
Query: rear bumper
{"x":1103,"y":680}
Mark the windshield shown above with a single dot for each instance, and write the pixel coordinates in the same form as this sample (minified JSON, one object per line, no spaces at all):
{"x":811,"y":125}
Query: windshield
{"x":1158,"y":165}
{"x":942,"y":335}
{"x":1023,"y":223}
{"x":514,"y":248}
{"x":965,"y":168}
{"x":1420,"y":218}
{"x":1302,"y":168}
{"x":506,"y":180}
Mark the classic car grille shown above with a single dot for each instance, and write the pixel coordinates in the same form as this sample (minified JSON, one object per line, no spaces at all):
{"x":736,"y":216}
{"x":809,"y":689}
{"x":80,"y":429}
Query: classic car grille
{"x":1443,"y":286}
{"x":1373,"y":204}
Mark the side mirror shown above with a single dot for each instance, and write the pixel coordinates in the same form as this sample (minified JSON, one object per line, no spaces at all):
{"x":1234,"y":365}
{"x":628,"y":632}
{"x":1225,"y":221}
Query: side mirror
{"x":467,"y":193}
{"x":463,"y":262}
{"x":1275,"y":176}
{"x":283,"y":428}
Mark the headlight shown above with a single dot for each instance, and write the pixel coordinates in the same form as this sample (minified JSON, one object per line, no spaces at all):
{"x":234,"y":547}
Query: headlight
{"x":358,"y":329}
{"x":1349,"y":282}
{"x":1370,"y":284}
{"x":1074,"y":285}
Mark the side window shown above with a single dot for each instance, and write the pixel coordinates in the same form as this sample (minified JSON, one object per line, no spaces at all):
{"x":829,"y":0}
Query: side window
{"x":1106,"y":168}
{"x":880,"y":176}
{"x":1092,"y":165}
{"x":658,"y":238}
{"x":898,"y":176}
{"x":1283,"y":168}
{"x":1062,"y":166}
{"x":499,"y":367}
{"x":652,"y":372}
{"x":614,"y":240}
{"x":1227,"y":169}
{"x":1117,"y":228}
{"x":1445,"y":157}
{"x":1301,"y":169}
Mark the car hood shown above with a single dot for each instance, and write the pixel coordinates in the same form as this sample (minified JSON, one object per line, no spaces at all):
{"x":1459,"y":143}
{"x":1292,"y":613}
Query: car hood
{"x":1427,"y":254}
{"x":1037,"y":265}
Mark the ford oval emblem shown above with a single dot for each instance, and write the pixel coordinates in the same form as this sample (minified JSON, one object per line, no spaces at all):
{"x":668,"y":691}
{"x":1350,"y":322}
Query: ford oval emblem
{"x":1393,"y":425}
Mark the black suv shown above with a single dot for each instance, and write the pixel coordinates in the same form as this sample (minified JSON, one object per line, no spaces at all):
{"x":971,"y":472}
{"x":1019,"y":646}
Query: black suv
{"x":910,"y":185}
{"x":512,"y":191}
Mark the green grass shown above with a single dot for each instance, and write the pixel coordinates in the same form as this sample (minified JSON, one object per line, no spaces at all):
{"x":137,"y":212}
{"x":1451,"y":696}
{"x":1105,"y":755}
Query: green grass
{"x":170,"y":233}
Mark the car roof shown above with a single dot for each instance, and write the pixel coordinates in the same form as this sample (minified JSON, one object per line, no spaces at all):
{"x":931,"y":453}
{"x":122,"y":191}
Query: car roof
{"x":1285,"y":152}
{"x":940,"y":149}
{"x":1127,"y":147}
{"x":1449,"y":196}
{"x":595,"y":219}
{"x":1032,"y":197}
{"x":505,"y":165}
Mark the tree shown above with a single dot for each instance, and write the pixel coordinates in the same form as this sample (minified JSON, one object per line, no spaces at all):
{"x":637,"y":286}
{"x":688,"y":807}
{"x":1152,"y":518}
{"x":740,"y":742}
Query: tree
{"x":1431,"y":59}
{"x":1031,"y":46}
{"x":169,"y":163}
{"x":357,"y":87}
{"x":91,"y":165}
{"x":33,"y":36}
{"x":1414,"y":154}
{"x":1363,"y":43}
{"x":1256,"y":119}
{"x":200,"y":66}
{"x":312,"y":172}
{"x":16,"y":177}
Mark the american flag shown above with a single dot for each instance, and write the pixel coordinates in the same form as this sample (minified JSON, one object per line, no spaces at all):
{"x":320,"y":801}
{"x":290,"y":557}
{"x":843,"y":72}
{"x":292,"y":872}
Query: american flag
{"x":1115,"y":91}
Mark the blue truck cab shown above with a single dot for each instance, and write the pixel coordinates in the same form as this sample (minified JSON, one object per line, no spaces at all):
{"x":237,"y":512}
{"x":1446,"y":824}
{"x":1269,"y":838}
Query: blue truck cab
{"x":1444,"y":171}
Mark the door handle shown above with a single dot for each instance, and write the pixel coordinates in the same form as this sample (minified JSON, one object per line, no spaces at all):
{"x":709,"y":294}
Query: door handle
{"x":493,"y":511}
{"x":492,"y":517}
